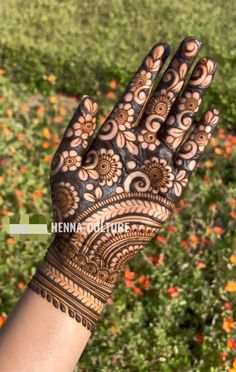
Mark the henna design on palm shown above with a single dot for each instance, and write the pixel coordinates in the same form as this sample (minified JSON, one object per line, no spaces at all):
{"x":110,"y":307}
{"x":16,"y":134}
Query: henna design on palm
{"x":134,"y":172}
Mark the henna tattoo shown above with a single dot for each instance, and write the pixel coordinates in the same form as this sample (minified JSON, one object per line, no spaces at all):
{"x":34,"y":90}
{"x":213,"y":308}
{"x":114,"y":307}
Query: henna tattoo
{"x":129,"y":174}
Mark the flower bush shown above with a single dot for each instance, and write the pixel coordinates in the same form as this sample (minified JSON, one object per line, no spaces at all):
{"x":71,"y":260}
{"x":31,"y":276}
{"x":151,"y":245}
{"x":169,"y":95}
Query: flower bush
{"x":175,"y":307}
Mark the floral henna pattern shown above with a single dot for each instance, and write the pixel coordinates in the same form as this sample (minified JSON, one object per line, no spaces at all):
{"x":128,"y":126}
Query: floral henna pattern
{"x":133,"y":174}
{"x":127,"y":113}
{"x":179,"y":122}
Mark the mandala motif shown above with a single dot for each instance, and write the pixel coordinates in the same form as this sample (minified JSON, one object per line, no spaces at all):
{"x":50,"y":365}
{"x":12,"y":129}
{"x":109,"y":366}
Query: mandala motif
{"x":161,"y":104}
{"x":148,"y":140}
{"x":160,"y":174}
{"x":190,"y":102}
{"x":71,"y":160}
{"x":108,"y":167}
{"x":65,"y":199}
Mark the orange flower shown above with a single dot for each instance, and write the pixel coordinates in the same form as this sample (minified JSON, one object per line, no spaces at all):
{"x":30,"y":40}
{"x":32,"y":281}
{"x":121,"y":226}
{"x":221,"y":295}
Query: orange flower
{"x":51,"y":78}
{"x":110,"y":95}
{"x":9,"y":113}
{"x":47,"y":159}
{"x":213,"y":142}
{"x":233,"y":259}
{"x":41,"y":111}
{"x":218,"y":151}
{"x":10,"y":241}
{"x":58,"y":119}
{"x":232,"y":202}
{"x":161,"y":239}
{"x":2,"y":99}
{"x":45,"y":145}
{"x":46,"y":133}
{"x":113,"y":84}
{"x":173,"y":291}
{"x":144,"y":281}
{"x":209,"y":164}
{"x":234,"y":363}
{"x":228,"y":306}
{"x":5,"y":212}
{"x":200,"y":265}
{"x":37,"y":194}
{"x":2,"y":320}
{"x":62,"y":111}
{"x":2,"y":71}
{"x":21,"y":137}
{"x":230,"y":286}
{"x":199,"y":338}
{"x":218,"y":230}
{"x":21,"y":285}
{"x":221,"y":133}
{"x":185,"y":244}
{"x":138,"y":291}
{"x":24,"y":108}
{"x":231,"y":343}
{"x":9,"y":172}
{"x":129,"y":275}
{"x":2,"y":179}
{"x":228,"y":324}
{"x":194,"y":239}
{"x":23,"y":169}
{"x":156,"y":260}
{"x":19,"y":193}
{"x":104,"y":118}
{"x":233,"y":215}
{"x":129,"y":283}
{"x":224,"y":356}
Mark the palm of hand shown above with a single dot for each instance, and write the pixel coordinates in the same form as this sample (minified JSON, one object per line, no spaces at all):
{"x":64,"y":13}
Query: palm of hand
{"x":137,"y":167}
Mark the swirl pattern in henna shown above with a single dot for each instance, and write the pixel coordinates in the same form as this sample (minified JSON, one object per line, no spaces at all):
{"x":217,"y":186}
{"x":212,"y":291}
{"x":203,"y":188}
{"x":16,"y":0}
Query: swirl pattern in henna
{"x":134,"y":172}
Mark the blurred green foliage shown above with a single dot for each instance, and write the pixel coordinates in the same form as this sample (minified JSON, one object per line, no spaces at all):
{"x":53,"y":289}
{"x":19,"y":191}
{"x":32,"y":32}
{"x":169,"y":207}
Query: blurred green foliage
{"x":88,"y":43}
{"x":79,"y":47}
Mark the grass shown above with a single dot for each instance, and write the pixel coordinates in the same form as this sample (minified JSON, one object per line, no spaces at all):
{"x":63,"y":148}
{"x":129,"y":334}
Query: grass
{"x":178,"y":312}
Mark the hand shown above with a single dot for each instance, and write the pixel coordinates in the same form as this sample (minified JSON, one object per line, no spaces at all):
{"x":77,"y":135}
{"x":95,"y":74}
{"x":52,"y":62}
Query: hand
{"x":133,"y":172}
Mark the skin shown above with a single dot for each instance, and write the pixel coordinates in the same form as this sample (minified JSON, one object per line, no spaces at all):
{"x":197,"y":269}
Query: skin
{"x":39,"y":337}
{"x":33,"y":338}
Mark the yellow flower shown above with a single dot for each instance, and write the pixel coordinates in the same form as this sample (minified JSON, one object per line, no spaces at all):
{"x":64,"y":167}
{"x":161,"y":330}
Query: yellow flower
{"x":53,"y":99}
{"x":233,"y":259}
{"x":51,"y":78}
{"x":231,"y":286}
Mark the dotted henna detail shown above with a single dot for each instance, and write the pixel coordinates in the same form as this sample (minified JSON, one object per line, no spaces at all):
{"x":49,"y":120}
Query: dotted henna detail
{"x":132,"y":174}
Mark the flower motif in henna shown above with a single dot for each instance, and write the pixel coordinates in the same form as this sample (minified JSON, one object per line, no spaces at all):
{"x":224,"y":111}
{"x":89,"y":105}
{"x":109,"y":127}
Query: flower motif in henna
{"x":124,"y":116}
{"x":160,"y":174}
{"x":71,"y":160}
{"x":108,"y":167}
{"x":190,"y":102}
{"x":161,"y":104}
{"x":65,"y":200}
{"x":148,"y":140}
{"x":143,"y":79}
{"x":202,"y":136}
{"x":81,"y":130}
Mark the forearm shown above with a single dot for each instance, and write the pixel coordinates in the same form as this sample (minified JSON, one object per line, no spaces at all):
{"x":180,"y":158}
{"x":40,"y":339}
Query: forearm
{"x":58,"y":340}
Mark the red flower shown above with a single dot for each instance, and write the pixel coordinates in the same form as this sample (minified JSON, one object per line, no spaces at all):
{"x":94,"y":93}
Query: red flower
{"x":145,"y":282}
{"x":171,"y":228}
{"x":138,"y":291}
{"x":161,"y":239}
{"x":173,"y":291}
{"x":156,"y":260}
